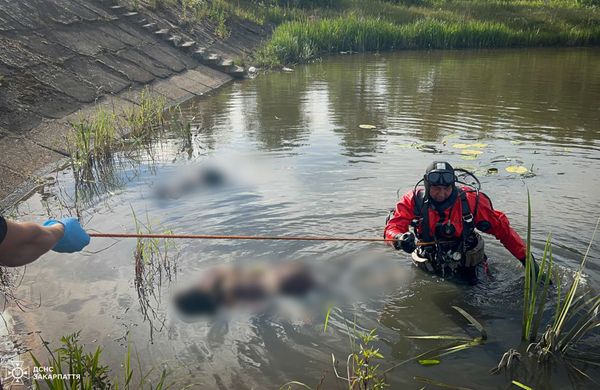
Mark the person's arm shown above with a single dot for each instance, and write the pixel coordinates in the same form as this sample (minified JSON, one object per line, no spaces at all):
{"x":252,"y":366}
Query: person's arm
{"x":403,"y":215}
{"x":26,"y":241}
{"x":496,"y":223}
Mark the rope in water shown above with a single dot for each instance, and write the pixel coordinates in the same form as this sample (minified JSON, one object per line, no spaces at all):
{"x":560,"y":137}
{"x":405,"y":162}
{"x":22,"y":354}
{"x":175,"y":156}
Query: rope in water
{"x":229,"y":237}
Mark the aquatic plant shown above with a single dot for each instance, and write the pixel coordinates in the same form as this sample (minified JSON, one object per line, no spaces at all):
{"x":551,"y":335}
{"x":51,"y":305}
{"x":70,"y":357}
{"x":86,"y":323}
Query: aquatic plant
{"x":363,"y":371}
{"x":147,"y":118}
{"x":71,"y":367}
{"x":155,"y":263}
{"x":93,"y":138}
{"x":302,"y":41}
{"x":574,"y":315}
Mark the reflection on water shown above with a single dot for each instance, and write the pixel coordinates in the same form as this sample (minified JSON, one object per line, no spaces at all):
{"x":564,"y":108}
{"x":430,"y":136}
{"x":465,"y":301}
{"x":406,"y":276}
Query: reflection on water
{"x":300,"y":164}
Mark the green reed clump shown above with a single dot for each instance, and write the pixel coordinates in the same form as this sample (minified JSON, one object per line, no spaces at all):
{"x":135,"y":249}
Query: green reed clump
{"x":155,"y":263}
{"x":143,"y":121}
{"x":94,"y":138}
{"x":383,"y":25}
{"x":575,"y":315}
{"x":74,"y":368}
{"x":363,"y":371}
{"x":302,"y":41}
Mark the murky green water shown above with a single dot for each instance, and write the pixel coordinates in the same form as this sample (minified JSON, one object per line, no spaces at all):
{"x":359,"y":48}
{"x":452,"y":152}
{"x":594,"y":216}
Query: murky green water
{"x":298,"y":164}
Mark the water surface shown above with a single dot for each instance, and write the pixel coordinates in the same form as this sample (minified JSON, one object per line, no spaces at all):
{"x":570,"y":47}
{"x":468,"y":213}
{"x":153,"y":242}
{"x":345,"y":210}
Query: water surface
{"x":299,"y":164}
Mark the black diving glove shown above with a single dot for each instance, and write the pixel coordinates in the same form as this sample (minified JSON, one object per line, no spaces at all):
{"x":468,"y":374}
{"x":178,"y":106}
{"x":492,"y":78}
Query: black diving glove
{"x":407,"y":242}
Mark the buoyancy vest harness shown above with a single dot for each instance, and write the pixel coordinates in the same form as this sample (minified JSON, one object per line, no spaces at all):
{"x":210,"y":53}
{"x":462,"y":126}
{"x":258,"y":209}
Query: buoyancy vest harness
{"x":445,"y":255}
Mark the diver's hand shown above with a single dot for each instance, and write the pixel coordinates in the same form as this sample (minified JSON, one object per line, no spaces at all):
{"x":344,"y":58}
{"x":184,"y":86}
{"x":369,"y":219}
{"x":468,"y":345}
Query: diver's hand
{"x":536,"y":267}
{"x":407,"y":242}
{"x":74,"y":239}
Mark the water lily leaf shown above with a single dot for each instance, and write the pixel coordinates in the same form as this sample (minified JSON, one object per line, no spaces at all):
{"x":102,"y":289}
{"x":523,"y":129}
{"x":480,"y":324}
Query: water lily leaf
{"x":461,"y":146}
{"x":517,"y":169}
{"x":429,"y":362}
{"x":479,"y":145}
{"x":368,"y":127}
{"x":427,"y":148}
{"x":471,"y":152}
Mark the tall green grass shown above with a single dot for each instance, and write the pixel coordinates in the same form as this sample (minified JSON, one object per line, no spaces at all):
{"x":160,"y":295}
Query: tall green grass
{"x":575,"y":313}
{"x":294,"y":42}
{"x":72,"y":367}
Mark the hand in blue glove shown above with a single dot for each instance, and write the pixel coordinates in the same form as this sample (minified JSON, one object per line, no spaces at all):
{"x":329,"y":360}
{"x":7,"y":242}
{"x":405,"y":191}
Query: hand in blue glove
{"x":74,"y":239}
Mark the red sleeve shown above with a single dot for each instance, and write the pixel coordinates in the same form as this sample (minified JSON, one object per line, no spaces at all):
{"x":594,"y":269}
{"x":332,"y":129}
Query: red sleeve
{"x":403,"y":214}
{"x":499,"y":227}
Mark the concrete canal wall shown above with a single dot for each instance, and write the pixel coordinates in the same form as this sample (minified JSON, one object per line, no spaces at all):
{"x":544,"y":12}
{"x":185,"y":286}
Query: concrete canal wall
{"x":59,"y":59}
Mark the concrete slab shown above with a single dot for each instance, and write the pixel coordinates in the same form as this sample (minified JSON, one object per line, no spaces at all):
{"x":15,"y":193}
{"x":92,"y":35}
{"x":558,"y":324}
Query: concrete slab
{"x":25,"y":156}
{"x":207,"y":76}
{"x":134,"y":95}
{"x":189,"y":85}
{"x":168,"y":60}
{"x":172,"y":92}
{"x":96,"y":73}
{"x":53,"y":135}
{"x":131,"y":70}
{"x":145,"y":62}
{"x":10,"y":180}
{"x":65,"y":81}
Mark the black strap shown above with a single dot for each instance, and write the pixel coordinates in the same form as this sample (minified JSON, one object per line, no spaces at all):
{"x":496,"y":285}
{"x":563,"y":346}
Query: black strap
{"x":3,"y":229}
{"x":467,"y":217}
{"x":421,"y":217}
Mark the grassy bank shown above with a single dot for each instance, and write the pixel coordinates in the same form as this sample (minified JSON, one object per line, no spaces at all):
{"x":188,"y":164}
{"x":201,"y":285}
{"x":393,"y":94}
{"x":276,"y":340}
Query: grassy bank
{"x":307,"y":29}
{"x":387,"y":25}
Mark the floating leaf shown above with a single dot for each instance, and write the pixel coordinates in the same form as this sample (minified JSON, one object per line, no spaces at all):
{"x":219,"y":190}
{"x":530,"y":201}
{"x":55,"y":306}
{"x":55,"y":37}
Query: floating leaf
{"x":471,"y":152}
{"x":427,"y":148}
{"x":479,"y":145}
{"x":517,"y":169}
{"x":468,"y":157}
{"x":492,"y":171}
{"x":461,"y":146}
{"x":368,"y":127}
{"x":516,"y":142}
{"x":429,"y":362}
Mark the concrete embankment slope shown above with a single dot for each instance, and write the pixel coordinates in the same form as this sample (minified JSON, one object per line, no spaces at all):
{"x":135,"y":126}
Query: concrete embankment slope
{"x":59,"y":58}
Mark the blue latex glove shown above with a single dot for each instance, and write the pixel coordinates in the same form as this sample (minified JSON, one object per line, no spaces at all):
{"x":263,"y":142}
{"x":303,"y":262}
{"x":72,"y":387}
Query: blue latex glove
{"x":74,"y":239}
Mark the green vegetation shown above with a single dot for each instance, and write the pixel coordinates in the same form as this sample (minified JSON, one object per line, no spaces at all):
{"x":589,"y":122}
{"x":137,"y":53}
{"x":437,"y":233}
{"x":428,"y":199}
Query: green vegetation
{"x":155,"y":263}
{"x":574,"y":315}
{"x":307,"y":29}
{"x":73,"y":368}
{"x":96,"y":138}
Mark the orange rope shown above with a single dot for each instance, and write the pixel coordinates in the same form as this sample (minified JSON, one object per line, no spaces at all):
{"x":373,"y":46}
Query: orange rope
{"x":222,"y":237}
